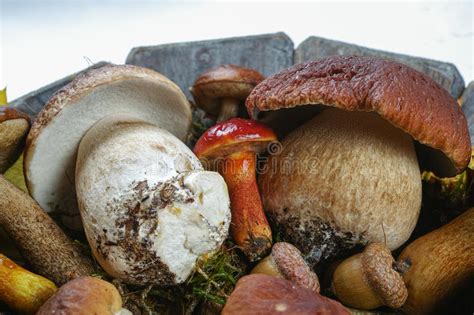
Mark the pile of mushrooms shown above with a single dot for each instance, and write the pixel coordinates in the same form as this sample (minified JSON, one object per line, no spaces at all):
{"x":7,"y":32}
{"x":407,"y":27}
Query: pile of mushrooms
{"x":111,"y":140}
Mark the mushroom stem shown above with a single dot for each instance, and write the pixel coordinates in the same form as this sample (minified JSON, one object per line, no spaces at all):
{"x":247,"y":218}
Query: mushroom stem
{"x":49,"y":251}
{"x":229,"y":109}
{"x":249,"y":228}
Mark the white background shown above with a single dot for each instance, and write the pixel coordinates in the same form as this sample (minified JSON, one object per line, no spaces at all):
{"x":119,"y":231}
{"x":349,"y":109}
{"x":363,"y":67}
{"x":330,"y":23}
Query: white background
{"x":42,"y":41}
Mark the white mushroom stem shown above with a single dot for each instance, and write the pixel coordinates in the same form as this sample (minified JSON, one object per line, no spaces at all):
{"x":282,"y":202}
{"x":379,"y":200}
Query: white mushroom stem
{"x":229,"y":109}
{"x":149,"y":209}
{"x":343,"y":178}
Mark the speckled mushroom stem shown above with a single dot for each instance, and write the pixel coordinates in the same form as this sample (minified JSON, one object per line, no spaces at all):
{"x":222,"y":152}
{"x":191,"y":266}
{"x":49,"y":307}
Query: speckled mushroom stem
{"x":250,"y":229}
{"x":48,"y":250}
{"x":229,"y":109}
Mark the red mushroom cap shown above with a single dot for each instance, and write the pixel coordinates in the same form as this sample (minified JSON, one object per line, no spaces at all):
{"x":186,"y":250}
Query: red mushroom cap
{"x":234,"y":135}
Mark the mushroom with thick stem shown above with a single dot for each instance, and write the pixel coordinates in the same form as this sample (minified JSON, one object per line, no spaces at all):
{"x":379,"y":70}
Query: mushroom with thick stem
{"x":14,"y":126}
{"x":221,"y":90}
{"x":231,"y":148}
{"x":148,"y":208}
{"x":368,"y":280}
{"x":21,"y":290}
{"x":84,"y":296}
{"x":263,"y":294}
{"x":48,"y":250}
{"x":438,"y":265}
{"x":285,"y":262}
{"x":350,"y":176}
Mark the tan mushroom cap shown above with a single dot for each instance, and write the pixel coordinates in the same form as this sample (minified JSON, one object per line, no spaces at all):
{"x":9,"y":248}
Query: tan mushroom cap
{"x":377,"y":265}
{"x":225,"y":81}
{"x":403,"y":96}
{"x":14,"y":126}
{"x":293,"y":267}
{"x":86,"y":295}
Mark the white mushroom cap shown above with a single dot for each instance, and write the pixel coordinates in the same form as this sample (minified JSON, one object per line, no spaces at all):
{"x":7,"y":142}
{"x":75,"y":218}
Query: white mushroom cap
{"x":149,"y":209}
{"x":52,"y":143}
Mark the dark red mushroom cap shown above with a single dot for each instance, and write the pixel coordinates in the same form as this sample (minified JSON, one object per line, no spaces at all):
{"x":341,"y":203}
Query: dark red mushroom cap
{"x":234,"y":135}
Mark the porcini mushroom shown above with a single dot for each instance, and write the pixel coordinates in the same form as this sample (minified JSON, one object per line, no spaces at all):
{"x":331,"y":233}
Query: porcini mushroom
{"x":263,"y":294}
{"x":350,"y":176}
{"x":221,"y":90}
{"x":148,"y":209}
{"x":84,"y":296}
{"x":51,"y":145}
{"x":438,"y":265}
{"x":14,"y":126}
{"x":232,"y":147}
{"x":368,"y":280}
{"x":285,"y":262}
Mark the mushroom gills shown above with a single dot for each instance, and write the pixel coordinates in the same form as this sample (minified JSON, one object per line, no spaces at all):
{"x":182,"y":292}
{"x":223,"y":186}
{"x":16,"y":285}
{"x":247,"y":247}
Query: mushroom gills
{"x":149,"y":209}
{"x":343,"y":179}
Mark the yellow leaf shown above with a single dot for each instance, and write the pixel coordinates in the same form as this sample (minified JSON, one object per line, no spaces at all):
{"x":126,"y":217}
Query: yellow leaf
{"x":15,"y":174}
{"x":3,"y":96}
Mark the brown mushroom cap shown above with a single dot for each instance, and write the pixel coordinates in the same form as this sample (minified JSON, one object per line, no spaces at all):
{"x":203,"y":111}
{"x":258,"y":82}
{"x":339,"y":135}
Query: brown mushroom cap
{"x":403,"y":96}
{"x":377,"y":265}
{"x":14,"y":126}
{"x":86,"y":295}
{"x":262,"y":294}
{"x":293,"y":267}
{"x":221,"y":82}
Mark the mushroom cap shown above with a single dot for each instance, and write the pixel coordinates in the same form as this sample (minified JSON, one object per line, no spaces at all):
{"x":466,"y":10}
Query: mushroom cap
{"x":84,"y":296}
{"x":403,"y":96}
{"x":221,"y":82}
{"x":149,"y":209}
{"x":234,"y":135}
{"x":14,"y":126}
{"x":377,"y":266}
{"x":293,"y":267}
{"x":55,"y":135}
{"x":263,"y":294}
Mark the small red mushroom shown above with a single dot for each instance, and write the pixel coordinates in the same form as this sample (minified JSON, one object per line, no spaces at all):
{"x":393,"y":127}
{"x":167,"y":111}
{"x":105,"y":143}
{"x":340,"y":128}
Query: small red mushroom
{"x":231,"y":147}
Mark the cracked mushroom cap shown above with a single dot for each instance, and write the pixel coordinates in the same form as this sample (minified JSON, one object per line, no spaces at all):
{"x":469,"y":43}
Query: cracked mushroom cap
{"x":286,"y":261}
{"x":234,"y":135}
{"x":225,"y":81}
{"x":148,"y":208}
{"x":52,"y":143}
{"x":263,"y":294}
{"x":406,"y":98}
{"x":14,"y":126}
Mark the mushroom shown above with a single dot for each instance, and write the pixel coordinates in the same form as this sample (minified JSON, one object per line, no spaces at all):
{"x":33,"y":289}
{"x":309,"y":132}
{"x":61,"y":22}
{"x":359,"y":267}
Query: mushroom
{"x":46,"y":247}
{"x":149,"y":210}
{"x":221,"y":90}
{"x":84,"y":296}
{"x":350,"y":176}
{"x":111,"y":142}
{"x":14,"y":126}
{"x":231,"y":148}
{"x":21,"y":290}
{"x":368,"y":280}
{"x":263,"y":294}
{"x":285,"y":262}
{"x":51,"y":145}
{"x":439,"y":265}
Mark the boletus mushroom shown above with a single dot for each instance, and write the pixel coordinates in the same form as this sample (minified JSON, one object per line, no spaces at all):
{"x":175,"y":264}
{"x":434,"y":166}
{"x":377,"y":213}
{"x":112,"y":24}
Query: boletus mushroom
{"x":266,"y":295}
{"x":221,"y":90}
{"x":350,"y":176}
{"x":85,"y":296}
{"x":14,"y":126}
{"x":231,"y":148}
{"x":285,"y":261}
{"x":148,"y":208}
{"x":369,"y":280}
{"x":437,"y":266}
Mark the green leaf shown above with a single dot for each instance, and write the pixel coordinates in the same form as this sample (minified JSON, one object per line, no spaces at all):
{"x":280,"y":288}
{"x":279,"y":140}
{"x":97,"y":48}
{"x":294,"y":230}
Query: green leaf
{"x":3,"y":96}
